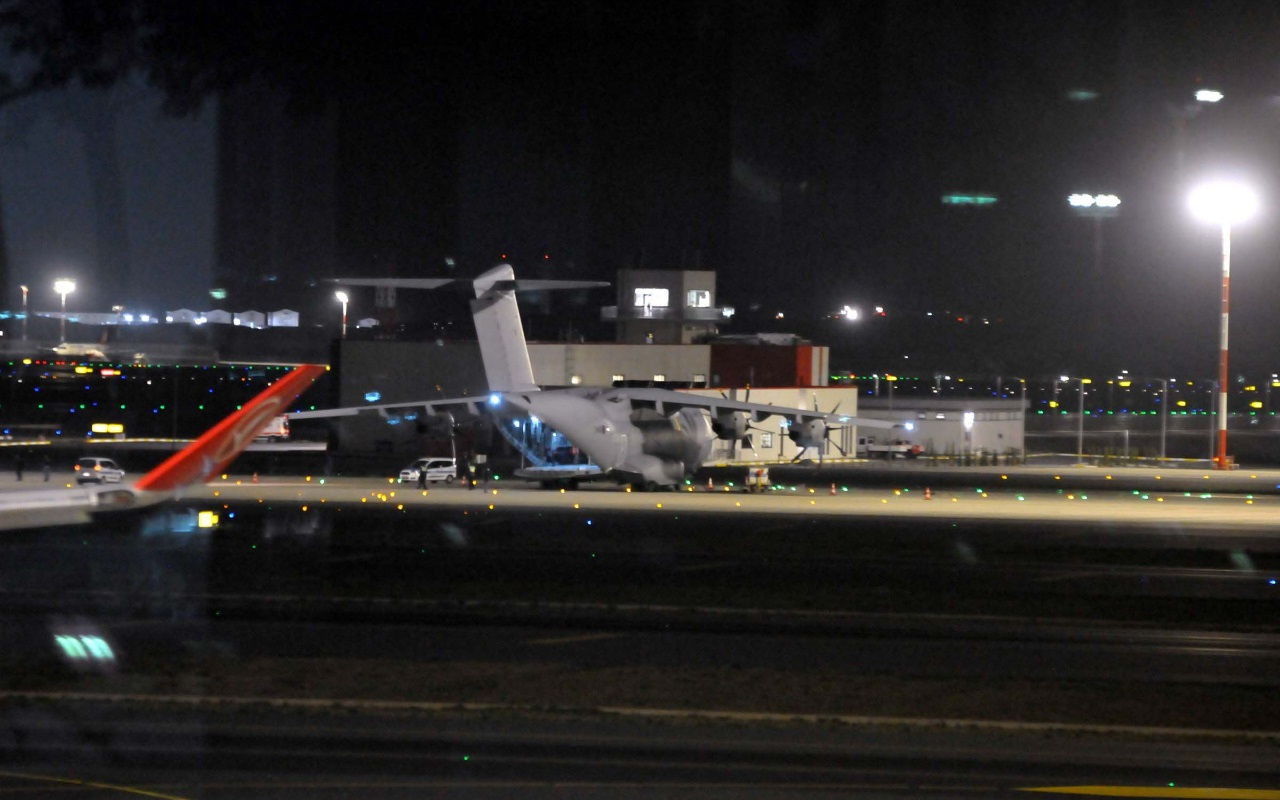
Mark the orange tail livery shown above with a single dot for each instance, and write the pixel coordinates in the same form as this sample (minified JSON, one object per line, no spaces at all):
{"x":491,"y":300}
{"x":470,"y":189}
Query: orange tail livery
{"x":218,"y":447}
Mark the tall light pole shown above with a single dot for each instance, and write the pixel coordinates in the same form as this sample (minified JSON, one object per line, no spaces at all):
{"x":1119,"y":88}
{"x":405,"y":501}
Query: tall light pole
{"x":1164,"y":415}
{"x":64,"y":287}
{"x":343,"y":298}
{"x":1080,"y":423}
{"x":1223,"y":204}
{"x":24,"y":311}
{"x":1098,"y":207}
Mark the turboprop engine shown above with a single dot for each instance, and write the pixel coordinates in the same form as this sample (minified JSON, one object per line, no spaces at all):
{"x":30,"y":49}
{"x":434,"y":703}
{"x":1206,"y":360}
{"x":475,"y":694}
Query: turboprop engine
{"x":808,"y":432}
{"x":731,"y":425}
{"x":813,"y":432}
{"x":682,"y":439}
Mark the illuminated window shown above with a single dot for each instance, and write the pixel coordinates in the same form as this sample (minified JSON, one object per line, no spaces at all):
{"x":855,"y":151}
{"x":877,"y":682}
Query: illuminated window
{"x":618,"y":377}
{"x":766,"y":440}
{"x":700,"y":377}
{"x":699,"y":298}
{"x":575,"y":379}
{"x":652,"y":298}
{"x":659,"y":377}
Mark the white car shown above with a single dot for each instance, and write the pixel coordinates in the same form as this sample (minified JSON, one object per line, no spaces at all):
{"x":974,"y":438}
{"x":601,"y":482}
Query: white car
{"x":437,"y":469}
{"x":92,"y":469}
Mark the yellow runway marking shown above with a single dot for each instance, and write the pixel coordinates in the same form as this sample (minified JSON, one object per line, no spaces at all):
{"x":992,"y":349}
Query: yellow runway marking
{"x":1161,"y":791}
{"x":589,"y":637}
{"x":111,"y":787}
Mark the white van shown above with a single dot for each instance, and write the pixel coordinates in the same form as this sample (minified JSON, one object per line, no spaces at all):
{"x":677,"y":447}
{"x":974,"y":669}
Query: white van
{"x":437,"y":469}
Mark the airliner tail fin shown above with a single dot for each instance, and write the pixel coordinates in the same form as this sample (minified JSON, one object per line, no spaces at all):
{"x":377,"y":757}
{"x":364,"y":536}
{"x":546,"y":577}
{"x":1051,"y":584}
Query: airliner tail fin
{"x":218,"y":447}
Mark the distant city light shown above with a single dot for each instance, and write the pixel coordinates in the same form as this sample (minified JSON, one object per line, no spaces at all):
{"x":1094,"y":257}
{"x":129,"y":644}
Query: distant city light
{"x":1208,"y":95}
{"x":968,"y":199}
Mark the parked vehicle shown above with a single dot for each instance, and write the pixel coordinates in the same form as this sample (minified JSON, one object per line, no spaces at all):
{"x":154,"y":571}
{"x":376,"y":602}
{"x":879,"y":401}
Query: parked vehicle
{"x":896,"y":448}
{"x":93,"y":469}
{"x":277,"y":430}
{"x":437,"y":469}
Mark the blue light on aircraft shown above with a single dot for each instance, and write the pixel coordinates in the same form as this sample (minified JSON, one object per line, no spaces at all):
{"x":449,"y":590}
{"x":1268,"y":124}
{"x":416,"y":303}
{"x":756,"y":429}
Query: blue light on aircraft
{"x":495,"y":399}
{"x":372,"y":397}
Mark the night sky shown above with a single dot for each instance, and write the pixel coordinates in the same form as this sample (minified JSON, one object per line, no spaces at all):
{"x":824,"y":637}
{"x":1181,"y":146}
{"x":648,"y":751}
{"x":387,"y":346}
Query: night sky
{"x":800,"y":149}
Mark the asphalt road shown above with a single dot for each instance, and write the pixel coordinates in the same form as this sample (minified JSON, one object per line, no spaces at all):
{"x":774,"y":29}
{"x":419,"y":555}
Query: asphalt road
{"x":96,"y":751}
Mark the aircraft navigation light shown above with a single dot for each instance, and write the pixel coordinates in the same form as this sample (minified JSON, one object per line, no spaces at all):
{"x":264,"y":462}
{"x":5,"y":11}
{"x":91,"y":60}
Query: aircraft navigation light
{"x":495,"y":399}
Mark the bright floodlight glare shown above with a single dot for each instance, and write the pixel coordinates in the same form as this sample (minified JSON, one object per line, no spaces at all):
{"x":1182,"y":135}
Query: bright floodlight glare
{"x":64,"y":286}
{"x":1090,"y":200}
{"x":1223,"y":203}
{"x":1208,"y":95}
{"x":342,"y":296}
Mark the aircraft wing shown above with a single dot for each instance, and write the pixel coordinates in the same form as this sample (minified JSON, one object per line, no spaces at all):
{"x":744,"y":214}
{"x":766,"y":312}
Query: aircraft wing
{"x":195,"y":463}
{"x":667,"y":401}
{"x":522,"y":285}
{"x":408,"y":411}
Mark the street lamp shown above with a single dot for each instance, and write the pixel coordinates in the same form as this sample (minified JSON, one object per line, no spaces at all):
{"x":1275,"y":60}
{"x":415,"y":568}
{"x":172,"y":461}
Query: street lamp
{"x":1080,"y":423}
{"x":64,"y":287}
{"x":1098,"y":207}
{"x":1223,"y":204}
{"x":343,"y":298}
{"x":1164,"y":415}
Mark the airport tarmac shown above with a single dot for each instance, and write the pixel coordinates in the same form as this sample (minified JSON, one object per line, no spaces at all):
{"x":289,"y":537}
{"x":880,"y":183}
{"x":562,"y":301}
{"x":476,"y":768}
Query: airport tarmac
{"x":989,"y":501}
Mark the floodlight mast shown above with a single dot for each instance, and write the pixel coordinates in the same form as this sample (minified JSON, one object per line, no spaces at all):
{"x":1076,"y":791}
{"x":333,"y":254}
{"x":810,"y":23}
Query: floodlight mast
{"x":344,"y":298}
{"x":1223,"y":204}
{"x":64,"y":287}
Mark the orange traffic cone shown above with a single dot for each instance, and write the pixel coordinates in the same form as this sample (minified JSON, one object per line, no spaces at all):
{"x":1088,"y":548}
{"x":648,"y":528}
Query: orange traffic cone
{"x":710,"y":487}
{"x":833,"y":487}
{"x":928,"y":495}
{"x":255,"y":477}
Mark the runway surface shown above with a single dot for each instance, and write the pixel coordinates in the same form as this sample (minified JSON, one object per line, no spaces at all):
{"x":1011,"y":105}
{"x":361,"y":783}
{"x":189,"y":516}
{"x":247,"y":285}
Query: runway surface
{"x":1022,"y":604}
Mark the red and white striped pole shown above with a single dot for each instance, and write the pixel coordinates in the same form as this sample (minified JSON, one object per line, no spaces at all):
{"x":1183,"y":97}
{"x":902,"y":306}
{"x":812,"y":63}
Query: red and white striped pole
{"x":1221,"y":460}
{"x":1223,"y":203}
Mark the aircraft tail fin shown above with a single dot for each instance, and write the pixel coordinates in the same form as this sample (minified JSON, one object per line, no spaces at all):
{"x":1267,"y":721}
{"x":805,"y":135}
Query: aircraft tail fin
{"x":497,"y":316}
{"x":501,"y":333}
{"x":212,"y":452}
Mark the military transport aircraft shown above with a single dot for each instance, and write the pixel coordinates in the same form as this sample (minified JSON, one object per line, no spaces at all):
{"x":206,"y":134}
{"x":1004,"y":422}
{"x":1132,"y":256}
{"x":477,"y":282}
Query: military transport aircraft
{"x":647,"y":437}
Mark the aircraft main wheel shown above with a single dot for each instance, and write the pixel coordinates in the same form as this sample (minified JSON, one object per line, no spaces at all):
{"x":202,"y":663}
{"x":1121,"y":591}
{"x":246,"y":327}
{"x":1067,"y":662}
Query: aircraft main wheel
{"x":448,"y":479}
